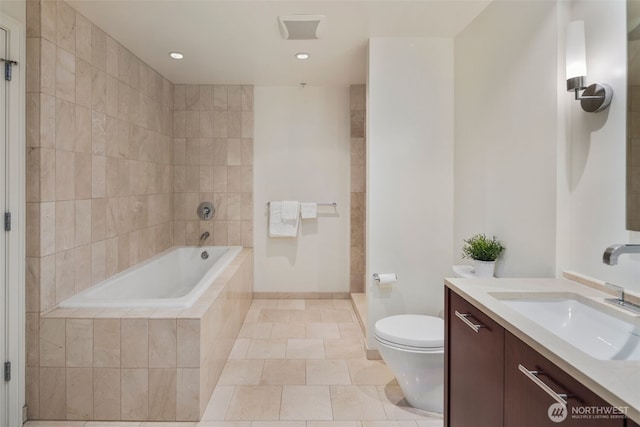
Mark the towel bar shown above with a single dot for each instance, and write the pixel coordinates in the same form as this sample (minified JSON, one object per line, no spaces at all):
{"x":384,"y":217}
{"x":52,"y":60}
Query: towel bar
{"x":334,"y":204}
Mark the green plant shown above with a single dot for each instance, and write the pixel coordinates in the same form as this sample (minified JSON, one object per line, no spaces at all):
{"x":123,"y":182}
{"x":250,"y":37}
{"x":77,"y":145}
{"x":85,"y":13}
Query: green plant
{"x":481,"y":248}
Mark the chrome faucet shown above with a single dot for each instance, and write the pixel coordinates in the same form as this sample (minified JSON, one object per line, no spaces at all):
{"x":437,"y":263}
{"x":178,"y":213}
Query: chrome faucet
{"x":203,"y":237}
{"x":620,"y":299}
{"x":611,"y":254}
{"x":619,"y":290}
{"x":610,"y":257}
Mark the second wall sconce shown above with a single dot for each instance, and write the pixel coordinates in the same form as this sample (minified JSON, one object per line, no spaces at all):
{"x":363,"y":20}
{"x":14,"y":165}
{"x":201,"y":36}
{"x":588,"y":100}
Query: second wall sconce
{"x":595,"y":97}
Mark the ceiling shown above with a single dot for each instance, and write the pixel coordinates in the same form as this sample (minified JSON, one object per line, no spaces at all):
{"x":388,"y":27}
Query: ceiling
{"x":238,"y":41}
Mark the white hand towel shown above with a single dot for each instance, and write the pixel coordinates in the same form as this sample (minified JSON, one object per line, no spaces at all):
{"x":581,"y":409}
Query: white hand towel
{"x":308,"y":210}
{"x":278,"y":226}
{"x":290,"y":210}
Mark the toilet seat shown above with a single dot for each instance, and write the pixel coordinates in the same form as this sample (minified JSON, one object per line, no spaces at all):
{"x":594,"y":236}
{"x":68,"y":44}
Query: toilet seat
{"x":411,"y":332}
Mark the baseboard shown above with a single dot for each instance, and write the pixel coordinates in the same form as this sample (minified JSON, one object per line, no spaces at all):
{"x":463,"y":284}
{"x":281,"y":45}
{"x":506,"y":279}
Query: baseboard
{"x":361,"y":311}
{"x":373,"y":354}
{"x":301,"y":295}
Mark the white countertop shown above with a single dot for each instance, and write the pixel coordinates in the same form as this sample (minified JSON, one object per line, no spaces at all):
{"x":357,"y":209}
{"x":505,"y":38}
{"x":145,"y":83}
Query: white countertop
{"x":616,"y":381}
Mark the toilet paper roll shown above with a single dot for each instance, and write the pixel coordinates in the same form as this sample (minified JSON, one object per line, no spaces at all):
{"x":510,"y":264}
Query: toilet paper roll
{"x":385,"y":278}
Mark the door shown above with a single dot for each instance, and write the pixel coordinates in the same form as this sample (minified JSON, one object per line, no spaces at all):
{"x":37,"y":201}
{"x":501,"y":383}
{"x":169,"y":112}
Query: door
{"x":4,"y":325}
{"x":12,"y":253}
{"x":474,"y":368}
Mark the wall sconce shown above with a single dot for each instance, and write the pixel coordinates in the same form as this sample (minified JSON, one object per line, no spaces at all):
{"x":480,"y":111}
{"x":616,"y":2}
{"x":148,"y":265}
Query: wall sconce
{"x":596,"y":97}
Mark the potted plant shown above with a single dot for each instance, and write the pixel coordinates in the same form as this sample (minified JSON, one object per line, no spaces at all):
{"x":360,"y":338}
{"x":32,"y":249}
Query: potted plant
{"x":484,"y":252}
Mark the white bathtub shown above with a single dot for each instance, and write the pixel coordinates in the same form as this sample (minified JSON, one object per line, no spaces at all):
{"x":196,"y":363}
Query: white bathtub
{"x":175,"y":278}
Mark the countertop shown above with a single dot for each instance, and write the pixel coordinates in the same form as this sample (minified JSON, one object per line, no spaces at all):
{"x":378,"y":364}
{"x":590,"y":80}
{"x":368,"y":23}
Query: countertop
{"x":616,"y":381}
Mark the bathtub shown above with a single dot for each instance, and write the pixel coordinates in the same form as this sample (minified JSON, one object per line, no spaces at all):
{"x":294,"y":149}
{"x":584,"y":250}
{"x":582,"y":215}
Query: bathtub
{"x":175,"y":278}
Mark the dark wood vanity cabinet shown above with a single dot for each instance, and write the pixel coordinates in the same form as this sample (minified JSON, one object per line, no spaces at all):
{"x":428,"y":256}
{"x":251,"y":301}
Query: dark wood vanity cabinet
{"x":474,"y":367}
{"x":527,"y":404}
{"x":485,"y":386}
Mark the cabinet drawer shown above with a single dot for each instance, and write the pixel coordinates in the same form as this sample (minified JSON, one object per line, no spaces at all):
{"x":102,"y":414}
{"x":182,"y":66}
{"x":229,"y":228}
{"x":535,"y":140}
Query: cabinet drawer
{"x":474,"y":366}
{"x":528,"y":396}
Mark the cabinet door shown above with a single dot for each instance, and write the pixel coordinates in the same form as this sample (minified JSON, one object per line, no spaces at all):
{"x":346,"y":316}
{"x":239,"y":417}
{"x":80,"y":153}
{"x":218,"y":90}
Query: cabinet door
{"x":527,"y":404}
{"x":474,"y":366}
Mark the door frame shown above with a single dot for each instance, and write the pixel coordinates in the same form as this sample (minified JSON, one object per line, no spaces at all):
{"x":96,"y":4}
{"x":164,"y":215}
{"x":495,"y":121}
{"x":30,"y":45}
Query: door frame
{"x":15,"y":199}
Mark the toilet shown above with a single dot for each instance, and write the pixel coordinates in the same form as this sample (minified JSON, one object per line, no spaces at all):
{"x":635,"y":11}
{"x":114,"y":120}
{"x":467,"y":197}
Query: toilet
{"x":412,"y":346}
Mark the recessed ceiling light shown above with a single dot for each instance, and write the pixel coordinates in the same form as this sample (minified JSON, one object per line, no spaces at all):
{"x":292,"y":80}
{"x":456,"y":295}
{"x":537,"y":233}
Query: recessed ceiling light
{"x":176,"y":55}
{"x":302,"y":55}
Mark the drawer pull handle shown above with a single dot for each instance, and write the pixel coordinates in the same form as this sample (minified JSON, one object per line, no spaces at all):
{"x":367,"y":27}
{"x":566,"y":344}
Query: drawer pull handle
{"x":465,"y":318}
{"x":533,"y":376}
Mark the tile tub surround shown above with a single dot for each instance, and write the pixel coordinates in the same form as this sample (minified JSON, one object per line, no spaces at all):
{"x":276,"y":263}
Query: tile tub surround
{"x":141,"y":364}
{"x":99,"y":156}
{"x":358,"y":106}
{"x":213,"y":161}
{"x":98,"y":189}
{"x":100,"y":184}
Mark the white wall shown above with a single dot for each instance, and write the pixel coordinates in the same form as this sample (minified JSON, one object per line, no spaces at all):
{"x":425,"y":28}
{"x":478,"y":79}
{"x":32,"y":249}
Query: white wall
{"x":598,"y":166}
{"x":16,"y":9}
{"x":506,"y":119}
{"x":531,"y":166}
{"x":409,"y":174}
{"x":302,"y":152}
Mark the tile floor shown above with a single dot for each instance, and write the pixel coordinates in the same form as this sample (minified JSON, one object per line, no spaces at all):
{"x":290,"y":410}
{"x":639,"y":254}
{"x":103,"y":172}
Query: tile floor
{"x":299,"y":363}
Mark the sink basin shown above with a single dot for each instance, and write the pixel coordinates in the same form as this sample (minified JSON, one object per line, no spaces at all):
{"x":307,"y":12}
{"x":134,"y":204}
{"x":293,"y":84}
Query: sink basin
{"x":588,"y":327}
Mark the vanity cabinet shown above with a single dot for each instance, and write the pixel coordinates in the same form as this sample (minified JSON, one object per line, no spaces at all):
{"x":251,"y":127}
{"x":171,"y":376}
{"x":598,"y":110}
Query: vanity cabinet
{"x":531,"y":381}
{"x":474,"y":367}
{"x":489,"y":380}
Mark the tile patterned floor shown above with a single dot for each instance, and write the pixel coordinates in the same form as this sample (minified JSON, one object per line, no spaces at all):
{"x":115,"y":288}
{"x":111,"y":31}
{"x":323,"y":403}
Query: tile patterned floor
{"x":299,"y":363}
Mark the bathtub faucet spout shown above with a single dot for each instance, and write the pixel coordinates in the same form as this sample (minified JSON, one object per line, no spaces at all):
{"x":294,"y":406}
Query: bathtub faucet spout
{"x":203,"y":237}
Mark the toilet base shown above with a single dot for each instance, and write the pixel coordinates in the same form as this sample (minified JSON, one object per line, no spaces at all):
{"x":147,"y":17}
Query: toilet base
{"x":428,"y":398}
{"x":419,"y":374}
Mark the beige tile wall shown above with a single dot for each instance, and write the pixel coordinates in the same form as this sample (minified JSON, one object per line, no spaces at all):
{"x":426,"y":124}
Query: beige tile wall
{"x":99,"y":195}
{"x":99,"y":181}
{"x":100,"y":198}
{"x":358,"y":187}
{"x":213,"y":161}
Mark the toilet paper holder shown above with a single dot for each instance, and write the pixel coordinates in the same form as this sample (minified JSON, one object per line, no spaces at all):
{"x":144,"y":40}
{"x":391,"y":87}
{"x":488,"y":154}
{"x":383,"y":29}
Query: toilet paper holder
{"x":376,"y":276}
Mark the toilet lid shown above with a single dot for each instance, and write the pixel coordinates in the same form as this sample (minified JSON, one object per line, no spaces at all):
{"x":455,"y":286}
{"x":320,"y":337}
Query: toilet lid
{"x":412,"y":330}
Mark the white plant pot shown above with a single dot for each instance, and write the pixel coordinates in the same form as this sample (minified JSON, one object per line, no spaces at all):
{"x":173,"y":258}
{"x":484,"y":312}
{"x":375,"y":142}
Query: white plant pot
{"x":484,"y":268}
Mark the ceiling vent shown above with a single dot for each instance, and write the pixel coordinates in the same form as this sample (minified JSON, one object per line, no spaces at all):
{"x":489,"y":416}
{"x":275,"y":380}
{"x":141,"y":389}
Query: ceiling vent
{"x":300,"y":27}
